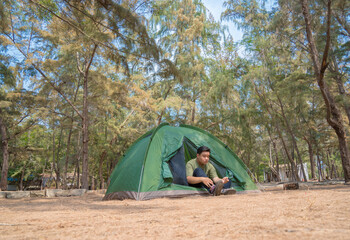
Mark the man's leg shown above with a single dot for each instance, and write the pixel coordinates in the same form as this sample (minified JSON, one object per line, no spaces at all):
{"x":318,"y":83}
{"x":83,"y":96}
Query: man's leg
{"x":228,"y":184}
{"x":198,"y":172}
{"x":215,"y":189}
{"x":227,"y":190}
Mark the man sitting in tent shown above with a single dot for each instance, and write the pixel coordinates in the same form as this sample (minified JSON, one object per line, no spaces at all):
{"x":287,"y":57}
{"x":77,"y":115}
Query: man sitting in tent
{"x":201,"y":173}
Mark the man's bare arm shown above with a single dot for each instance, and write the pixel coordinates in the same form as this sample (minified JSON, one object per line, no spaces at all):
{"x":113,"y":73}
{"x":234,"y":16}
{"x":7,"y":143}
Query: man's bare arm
{"x":194,"y":180}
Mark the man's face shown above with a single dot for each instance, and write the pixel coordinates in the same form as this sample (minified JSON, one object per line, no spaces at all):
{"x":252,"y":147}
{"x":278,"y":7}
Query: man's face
{"x":203,"y":158}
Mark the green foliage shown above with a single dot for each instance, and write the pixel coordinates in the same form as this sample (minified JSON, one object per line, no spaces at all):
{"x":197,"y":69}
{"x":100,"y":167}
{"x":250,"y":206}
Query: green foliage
{"x":49,"y":7}
{"x":156,"y":61}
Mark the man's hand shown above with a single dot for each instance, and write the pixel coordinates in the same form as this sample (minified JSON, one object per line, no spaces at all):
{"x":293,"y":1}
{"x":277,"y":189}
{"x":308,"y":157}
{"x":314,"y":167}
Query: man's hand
{"x":225,"y":180}
{"x":207,"y":182}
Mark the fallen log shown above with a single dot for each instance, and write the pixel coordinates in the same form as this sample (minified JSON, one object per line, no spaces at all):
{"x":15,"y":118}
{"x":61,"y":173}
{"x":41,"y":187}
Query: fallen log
{"x":291,"y":186}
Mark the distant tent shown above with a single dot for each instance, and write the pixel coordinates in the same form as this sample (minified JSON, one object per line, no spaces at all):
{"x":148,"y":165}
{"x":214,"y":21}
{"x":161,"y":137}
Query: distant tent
{"x":154,"y":166}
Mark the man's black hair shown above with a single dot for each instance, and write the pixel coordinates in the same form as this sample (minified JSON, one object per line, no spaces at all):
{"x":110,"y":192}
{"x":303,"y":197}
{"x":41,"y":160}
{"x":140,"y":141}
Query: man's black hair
{"x":203,"y":149}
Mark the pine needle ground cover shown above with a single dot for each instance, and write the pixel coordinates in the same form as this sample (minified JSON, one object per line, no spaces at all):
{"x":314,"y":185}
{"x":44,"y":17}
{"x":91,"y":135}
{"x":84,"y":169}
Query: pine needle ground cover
{"x":318,"y":213}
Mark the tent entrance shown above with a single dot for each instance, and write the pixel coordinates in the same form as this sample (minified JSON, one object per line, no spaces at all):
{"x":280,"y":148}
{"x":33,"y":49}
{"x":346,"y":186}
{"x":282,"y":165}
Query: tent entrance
{"x":188,"y":151}
{"x":177,"y":164}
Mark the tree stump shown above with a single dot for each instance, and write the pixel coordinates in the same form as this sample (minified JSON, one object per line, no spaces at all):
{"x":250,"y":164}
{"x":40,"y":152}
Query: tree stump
{"x":291,"y":186}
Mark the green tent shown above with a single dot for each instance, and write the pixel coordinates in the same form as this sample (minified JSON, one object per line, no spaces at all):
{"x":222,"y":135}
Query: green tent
{"x":154,"y":166}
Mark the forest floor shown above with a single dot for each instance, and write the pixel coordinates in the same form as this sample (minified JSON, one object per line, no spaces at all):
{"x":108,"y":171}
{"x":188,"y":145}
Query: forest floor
{"x":319,"y":212}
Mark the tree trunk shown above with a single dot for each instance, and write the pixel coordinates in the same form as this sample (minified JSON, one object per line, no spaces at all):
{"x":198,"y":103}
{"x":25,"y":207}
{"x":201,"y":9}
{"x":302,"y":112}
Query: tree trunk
{"x":277,"y":173}
{"x":334,"y":117}
{"x":53,"y":153}
{"x":319,"y":167}
{"x":341,"y":89}
{"x":103,"y":155}
{"x":65,"y":185}
{"x":85,"y":128}
{"x":43,"y":183}
{"x":5,"y":154}
{"x":293,"y":166}
{"x":277,"y":162}
{"x":324,"y":164}
{"x":85,"y":170}
{"x":22,"y":177}
{"x":57,"y":169}
{"x":78,"y":160}
{"x":74,"y":176}
{"x":78,"y":172}
{"x":334,"y":167}
{"x":329,"y":173}
{"x":311,"y":157}
{"x":68,"y":141}
{"x":301,"y":163}
{"x":193,"y":112}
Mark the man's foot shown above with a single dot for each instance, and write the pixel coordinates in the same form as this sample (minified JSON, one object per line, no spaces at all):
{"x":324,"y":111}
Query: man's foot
{"x":228,"y":191}
{"x":216,"y":189}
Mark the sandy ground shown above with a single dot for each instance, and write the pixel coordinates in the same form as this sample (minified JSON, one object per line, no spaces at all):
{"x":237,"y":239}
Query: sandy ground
{"x":320,"y":213}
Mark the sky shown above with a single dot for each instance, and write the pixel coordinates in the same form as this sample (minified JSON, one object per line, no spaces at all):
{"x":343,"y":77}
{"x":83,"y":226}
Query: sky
{"x":216,"y":8}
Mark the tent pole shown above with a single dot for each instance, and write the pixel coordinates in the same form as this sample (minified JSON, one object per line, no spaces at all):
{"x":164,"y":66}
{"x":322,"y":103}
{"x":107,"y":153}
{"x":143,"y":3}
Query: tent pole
{"x":138,"y":190}
{"x":254,"y":177}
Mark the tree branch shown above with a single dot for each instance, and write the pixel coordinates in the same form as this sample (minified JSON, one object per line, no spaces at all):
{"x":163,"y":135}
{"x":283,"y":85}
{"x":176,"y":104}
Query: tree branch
{"x":78,"y":65}
{"x":103,"y":25}
{"x":328,"y":43}
{"x":27,"y":115}
{"x":22,"y":131}
{"x":45,"y":77}
{"x":58,"y":90}
{"x":86,"y":35}
{"x":87,"y":67}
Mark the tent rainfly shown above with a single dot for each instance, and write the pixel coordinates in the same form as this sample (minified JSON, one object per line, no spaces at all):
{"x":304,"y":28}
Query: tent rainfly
{"x":154,"y":165}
